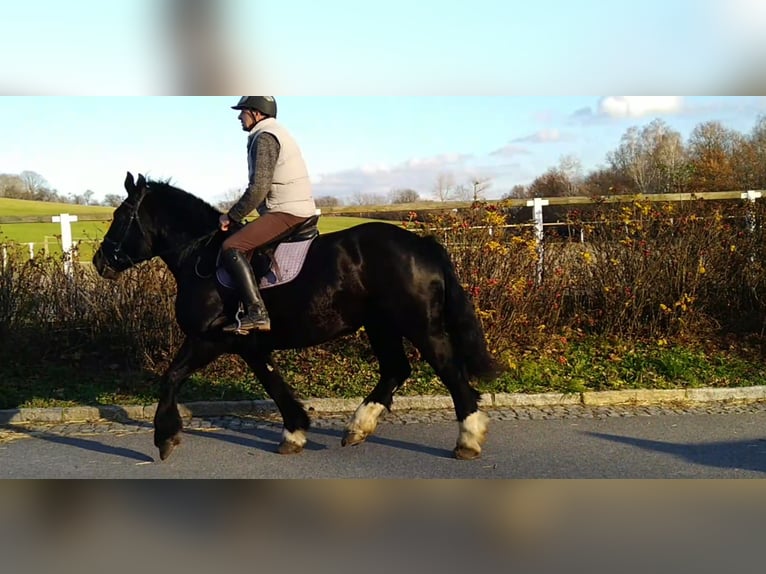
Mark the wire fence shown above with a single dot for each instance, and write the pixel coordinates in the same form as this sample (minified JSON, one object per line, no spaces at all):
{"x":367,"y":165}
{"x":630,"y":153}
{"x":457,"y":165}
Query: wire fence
{"x":72,"y":250}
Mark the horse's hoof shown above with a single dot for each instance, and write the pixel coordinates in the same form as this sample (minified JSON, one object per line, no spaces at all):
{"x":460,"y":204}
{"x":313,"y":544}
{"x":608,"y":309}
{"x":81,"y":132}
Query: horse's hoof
{"x":168,"y":446}
{"x":289,"y":448}
{"x":464,"y":453}
{"x":352,"y":438}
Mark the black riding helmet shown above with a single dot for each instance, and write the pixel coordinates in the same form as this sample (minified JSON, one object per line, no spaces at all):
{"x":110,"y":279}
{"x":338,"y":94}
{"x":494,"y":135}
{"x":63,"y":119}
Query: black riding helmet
{"x":267,"y":105}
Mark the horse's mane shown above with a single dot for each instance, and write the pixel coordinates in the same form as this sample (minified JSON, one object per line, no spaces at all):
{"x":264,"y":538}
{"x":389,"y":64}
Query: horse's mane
{"x":177,"y":200}
{"x":196,"y":214}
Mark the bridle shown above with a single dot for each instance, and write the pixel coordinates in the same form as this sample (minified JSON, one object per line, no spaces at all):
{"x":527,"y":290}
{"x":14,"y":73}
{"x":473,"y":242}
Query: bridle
{"x":116,"y":256}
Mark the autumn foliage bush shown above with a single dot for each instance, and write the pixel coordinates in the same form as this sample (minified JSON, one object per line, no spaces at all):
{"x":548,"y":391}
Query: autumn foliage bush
{"x":642,"y":270}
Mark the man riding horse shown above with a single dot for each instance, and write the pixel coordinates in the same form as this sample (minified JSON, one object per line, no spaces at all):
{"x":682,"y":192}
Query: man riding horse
{"x":279,"y":189}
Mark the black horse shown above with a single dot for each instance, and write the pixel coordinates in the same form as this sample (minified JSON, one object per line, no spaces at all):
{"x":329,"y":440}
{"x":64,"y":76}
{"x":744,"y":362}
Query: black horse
{"x":378,"y":276}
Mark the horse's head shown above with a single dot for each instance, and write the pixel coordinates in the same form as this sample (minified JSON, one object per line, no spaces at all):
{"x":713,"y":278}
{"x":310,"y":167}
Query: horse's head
{"x":128,"y":241}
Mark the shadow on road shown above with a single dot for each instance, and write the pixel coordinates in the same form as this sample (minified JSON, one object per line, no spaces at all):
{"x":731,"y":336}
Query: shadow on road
{"x":85,"y":444}
{"x":267,"y":440}
{"x":745,"y":455}
{"x":263,"y":439}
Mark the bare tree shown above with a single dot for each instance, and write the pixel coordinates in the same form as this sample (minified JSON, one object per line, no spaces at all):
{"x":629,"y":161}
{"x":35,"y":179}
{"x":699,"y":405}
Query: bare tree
{"x":112,"y":200}
{"x":461,"y":192}
{"x":400,"y":196}
{"x":28,"y":185}
{"x":654,"y":158}
{"x":444,"y":187}
{"x":632,"y":159}
{"x":517,"y":192}
{"x":564,"y":180}
{"x":669,"y":160}
{"x":570,"y":168}
{"x":12,"y":186}
{"x":231,"y":197}
{"x":553,"y":183}
{"x":328,"y":201}
{"x":36,"y":187}
{"x":368,"y":199}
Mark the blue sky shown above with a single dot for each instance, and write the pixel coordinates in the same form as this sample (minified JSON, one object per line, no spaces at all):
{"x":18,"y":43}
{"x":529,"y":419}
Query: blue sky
{"x":352,"y":144}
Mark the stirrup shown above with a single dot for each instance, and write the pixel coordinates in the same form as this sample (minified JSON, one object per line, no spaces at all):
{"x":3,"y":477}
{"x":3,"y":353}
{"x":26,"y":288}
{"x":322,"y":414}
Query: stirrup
{"x":238,"y":329}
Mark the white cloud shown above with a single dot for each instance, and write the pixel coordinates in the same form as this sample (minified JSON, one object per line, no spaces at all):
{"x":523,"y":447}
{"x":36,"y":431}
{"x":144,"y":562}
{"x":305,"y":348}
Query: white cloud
{"x":639,"y":106}
{"x":419,"y":173}
{"x":543,"y":136}
{"x":510,"y":150}
{"x":438,"y":161}
{"x":373,"y":168}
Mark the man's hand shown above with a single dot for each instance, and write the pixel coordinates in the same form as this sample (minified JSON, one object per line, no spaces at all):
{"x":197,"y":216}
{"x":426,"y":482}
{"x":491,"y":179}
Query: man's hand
{"x":224,"y":222}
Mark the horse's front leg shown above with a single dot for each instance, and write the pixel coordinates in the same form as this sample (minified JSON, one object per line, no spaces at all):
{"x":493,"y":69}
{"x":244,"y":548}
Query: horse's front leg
{"x":193,"y":355}
{"x":296,"y":420}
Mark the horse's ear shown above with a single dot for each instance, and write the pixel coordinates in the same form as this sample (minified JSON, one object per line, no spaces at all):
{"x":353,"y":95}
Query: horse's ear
{"x":141,"y":183}
{"x":130,"y":184}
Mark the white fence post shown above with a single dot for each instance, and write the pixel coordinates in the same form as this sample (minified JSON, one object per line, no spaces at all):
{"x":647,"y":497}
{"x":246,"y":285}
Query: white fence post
{"x":752,"y":196}
{"x":5,"y":257}
{"x":66,"y":221}
{"x":31,"y":251}
{"x":537,"y":205}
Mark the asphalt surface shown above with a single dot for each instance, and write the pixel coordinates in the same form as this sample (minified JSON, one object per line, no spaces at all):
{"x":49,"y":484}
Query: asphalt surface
{"x":711,"y":441}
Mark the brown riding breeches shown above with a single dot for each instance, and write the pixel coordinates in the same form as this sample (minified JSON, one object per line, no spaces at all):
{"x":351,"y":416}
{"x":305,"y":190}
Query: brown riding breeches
{"x":266,"y":229}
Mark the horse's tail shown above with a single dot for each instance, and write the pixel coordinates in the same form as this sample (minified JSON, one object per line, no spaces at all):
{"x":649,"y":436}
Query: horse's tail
{"x":463,"y":325}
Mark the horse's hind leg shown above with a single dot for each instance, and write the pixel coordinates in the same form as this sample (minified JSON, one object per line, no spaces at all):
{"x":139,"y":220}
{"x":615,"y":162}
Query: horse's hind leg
{"x":395,"y":369}
{"x":437,"y":349}
{"x":190,"y":358}
{"x":296,"y":420}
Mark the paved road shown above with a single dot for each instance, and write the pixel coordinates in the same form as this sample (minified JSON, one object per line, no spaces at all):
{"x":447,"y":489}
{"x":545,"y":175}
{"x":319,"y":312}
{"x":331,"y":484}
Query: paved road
{"x":716,"y":441}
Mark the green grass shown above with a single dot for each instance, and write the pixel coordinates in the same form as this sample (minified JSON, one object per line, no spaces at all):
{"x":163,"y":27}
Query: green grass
{"x":37,"y":233}
{"x":597,"y":365}
{"x":330,"y":224}
{"x":338,"y":372}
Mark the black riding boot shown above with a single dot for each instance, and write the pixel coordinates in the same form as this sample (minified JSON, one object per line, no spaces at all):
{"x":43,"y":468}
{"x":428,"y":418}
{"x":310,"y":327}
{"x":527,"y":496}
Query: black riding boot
{"x":256,"y":317}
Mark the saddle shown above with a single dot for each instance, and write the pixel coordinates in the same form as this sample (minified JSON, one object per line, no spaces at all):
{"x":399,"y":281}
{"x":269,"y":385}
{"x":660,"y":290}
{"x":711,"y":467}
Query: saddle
{"x":280,"y":261}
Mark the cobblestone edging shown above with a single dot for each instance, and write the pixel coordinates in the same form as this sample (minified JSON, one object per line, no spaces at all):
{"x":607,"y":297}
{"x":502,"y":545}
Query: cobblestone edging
{"x":322,"y":408}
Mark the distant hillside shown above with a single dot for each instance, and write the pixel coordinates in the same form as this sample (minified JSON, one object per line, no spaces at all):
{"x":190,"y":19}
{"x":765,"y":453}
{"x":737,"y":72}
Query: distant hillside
{"x":10,"y":208}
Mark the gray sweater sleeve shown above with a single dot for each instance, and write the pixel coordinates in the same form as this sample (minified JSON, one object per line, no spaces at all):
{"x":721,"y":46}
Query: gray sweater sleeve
{"x":264,"y":156}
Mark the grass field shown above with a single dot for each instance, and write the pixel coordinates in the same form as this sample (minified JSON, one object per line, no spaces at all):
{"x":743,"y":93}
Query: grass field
{"x":23,"y":208}
{"x":88,"y":231}
{"x":12,"y":232}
